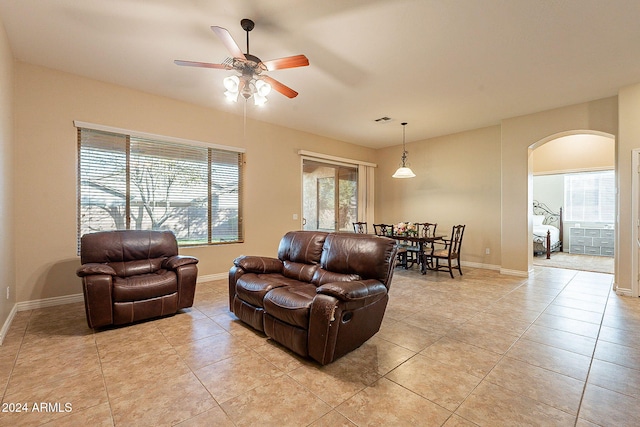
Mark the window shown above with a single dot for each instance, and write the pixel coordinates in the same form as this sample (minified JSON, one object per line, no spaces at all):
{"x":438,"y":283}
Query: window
{"x":128,"y":182}
{"x":590,"y":196}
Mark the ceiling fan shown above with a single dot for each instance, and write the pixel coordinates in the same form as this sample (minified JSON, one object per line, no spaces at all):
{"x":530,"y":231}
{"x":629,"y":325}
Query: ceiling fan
{"x":251,"y":81}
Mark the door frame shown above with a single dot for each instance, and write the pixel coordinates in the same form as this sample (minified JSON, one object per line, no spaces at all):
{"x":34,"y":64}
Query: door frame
{"x":635,"y":225}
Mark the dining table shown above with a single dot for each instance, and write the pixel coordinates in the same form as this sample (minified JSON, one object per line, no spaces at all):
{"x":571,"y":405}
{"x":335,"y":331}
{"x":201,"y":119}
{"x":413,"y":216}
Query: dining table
{"x":421,"y":241}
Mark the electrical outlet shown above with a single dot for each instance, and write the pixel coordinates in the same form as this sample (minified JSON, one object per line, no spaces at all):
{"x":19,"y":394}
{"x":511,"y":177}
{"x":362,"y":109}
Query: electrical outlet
{"x":487,"y":251}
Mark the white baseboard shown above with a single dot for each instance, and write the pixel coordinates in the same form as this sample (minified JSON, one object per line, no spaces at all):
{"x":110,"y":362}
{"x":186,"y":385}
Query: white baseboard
{"x":7,"y":323}
{"x":49,"y":302}
{"x":517,"y":273}
{"x":480,"y":265}
{"x":624,"y":292}
{"x":212,"y":277}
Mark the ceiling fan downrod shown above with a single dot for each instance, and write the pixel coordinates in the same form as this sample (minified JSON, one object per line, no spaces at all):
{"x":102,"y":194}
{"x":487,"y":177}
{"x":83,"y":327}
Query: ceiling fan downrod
{"x":247,"y":25}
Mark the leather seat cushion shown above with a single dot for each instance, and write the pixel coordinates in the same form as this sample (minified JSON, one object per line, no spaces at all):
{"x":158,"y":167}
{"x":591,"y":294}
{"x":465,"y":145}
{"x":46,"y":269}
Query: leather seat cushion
{"x":252,"y":287}
{"x":144,"y":286}
{"x":291,"y":304}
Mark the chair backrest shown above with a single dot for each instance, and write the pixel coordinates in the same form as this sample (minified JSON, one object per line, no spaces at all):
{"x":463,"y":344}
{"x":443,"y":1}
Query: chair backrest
{"x":367,"y":256}
{"x":303,"y":246}
{"x":129,"y":252}
{"x":457,"y":231}
{"x":127,"y":245}
{"x":360,"y":227}
{"x":383,"y":229}
{"x":426,"y":229}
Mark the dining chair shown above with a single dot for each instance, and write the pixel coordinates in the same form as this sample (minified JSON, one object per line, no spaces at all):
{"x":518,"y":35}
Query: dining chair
{"x":388,"y":231}
{"x":383,"y":229}
{"x":425,"y":230}
{"x":360,"y":227}
{"x":451,"y":252}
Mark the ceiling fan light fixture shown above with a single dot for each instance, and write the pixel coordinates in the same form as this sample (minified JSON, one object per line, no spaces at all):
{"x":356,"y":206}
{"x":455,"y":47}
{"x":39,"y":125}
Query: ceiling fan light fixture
{"x":404,"y":171}
{"x":263,"y":88}
{"x":231,"y":83}
{"x":231,"y":96}
{"x":259,"y":99}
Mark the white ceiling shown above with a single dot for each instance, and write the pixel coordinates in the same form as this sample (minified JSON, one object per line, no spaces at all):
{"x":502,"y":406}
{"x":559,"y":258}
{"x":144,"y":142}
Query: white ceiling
{"x":443,"y":66}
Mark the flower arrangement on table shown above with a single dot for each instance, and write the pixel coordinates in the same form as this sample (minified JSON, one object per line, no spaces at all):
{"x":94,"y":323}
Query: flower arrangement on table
{"x":406,"y":228}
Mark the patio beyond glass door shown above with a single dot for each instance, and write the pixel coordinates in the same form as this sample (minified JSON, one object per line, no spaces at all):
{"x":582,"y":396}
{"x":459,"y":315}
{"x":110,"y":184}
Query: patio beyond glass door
{"x":329,"y":196}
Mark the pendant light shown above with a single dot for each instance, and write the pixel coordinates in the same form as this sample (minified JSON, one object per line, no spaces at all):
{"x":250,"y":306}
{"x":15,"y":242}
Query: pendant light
{"x":404,"y":171}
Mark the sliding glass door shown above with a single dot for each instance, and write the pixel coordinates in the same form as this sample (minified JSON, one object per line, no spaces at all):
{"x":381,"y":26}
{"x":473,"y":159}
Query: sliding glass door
{"x":329,"y":196}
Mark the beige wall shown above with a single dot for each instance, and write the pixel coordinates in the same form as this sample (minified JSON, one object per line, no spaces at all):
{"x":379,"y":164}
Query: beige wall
{"x":49,"y":101}
{"x":457,"y":182}
{"x":519,"y":135}
{"x":574,"y":153}
{"x":6,"y":168}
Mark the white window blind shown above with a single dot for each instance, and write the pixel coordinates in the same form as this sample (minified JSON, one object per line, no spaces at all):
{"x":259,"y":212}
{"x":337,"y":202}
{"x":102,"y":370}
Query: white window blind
{"x":590,"y":196}
{"x":132,"y":182}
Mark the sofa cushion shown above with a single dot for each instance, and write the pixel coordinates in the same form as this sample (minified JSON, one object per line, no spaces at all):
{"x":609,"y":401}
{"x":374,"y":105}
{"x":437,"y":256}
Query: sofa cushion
{"x":141,"y":266}
{"x":299,"y":271}
{"x":322,"y":276}
{"x":291,"y":304}
{"x":144,"y":286}
{"x":302,"y":246}
{"x":251,"y":287}
{"x":351,"y":253}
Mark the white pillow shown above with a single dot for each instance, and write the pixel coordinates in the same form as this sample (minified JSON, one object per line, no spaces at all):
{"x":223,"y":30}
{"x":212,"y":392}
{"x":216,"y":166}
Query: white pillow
{"x":538,"y":220}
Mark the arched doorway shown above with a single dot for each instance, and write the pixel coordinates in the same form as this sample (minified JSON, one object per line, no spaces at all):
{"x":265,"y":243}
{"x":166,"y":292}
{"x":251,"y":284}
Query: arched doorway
{"x":575,"y":171}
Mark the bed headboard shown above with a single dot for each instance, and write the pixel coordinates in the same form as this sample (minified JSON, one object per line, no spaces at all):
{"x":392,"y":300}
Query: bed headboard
{"x":550,"y":217}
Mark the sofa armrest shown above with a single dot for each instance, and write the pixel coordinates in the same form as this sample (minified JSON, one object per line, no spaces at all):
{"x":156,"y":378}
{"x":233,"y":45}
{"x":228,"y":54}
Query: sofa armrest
{"x":353,"y":290}
{"x":92,"y":268}
{"x":258,"y":264}
{"x":176,"y":261}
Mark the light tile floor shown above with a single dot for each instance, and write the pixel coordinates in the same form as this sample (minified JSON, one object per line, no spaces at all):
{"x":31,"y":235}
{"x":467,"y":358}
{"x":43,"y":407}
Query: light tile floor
{"x":557,"y":349}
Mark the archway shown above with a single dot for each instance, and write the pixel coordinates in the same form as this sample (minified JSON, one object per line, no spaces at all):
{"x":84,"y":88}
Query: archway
{"x":570,"y":157}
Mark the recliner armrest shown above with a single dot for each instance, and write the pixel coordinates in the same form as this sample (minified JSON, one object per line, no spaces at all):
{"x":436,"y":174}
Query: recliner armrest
{"x":92,"y":268}
{"x":176,"y":261}
{"x":353,"y":290}
{"x":258,"y":264}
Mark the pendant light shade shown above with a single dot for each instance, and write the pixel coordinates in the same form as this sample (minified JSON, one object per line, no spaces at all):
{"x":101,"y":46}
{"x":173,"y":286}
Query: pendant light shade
{"x":404,"y":171}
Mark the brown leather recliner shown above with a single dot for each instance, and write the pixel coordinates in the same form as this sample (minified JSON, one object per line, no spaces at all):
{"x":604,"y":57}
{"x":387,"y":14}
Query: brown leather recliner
{"x":324,"y":296}
{"x":131,"y":275}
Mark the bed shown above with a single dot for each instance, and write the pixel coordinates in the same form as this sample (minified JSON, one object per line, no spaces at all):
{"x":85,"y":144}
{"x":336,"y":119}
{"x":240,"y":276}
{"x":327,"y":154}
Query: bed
{"x":547,"y":230}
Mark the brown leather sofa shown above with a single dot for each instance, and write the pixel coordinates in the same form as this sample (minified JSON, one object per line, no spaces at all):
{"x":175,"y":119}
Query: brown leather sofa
{"x":324,"y":295}
{"x":131,"y":275}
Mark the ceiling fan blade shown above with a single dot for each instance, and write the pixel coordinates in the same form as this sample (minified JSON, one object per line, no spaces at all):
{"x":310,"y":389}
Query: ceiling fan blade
{"x":228,"y":41}
{"x":276,"y":85}
{"x":201,"y":64}
{"x":288,"y":62}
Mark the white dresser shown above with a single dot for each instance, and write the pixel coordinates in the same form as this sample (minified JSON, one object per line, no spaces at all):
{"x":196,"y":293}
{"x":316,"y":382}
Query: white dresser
{"x":591,"y":241}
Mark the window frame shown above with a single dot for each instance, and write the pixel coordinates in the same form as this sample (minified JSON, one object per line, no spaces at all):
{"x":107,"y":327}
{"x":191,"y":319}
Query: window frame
{"x":214,"y":151}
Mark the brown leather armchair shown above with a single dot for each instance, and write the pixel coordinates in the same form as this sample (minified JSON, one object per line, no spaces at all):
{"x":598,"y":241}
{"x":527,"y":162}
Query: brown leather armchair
{"x":324,"y":295}
{"x":131,"y":275}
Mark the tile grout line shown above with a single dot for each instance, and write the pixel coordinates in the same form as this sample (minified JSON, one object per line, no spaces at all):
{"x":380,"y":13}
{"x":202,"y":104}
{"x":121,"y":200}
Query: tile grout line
{"x":593,"y":353}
